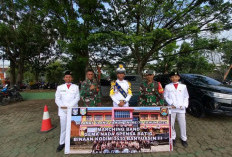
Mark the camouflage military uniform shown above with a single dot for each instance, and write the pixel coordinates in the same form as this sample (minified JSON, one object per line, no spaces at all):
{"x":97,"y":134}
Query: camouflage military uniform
{"x":149,"y":95}
{"x":90,"y":97}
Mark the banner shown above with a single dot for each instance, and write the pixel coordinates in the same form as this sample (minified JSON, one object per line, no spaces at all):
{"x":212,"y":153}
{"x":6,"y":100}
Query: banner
{"x":93,"y":130}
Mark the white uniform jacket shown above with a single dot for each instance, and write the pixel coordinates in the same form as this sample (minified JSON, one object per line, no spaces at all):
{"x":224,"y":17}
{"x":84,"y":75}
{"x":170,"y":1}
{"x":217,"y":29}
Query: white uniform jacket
{"x":178,"y":97}
{"x":66,"y":97}
{"x":116,"y":96}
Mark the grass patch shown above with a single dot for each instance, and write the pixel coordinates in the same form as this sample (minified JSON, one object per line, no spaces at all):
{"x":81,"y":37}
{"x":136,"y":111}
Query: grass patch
{"x":37,"y":95}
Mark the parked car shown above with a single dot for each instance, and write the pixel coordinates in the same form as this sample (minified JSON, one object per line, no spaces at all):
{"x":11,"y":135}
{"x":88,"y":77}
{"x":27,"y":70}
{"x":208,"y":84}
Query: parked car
{"x":104,"y":82}
{"x":135,"y":81}
{"x":105,"y":87}
{"x":206,"y":95}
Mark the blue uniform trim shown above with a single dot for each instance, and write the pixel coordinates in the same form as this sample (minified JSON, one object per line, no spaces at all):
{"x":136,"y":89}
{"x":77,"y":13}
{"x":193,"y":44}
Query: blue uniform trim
{"x":121,"y":90}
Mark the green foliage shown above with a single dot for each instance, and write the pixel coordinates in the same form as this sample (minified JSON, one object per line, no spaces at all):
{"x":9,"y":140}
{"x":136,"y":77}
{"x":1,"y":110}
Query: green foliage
{"x":77,"y":66}
{"x":148,"y":26}
{"x":226,"y":50}
{"x":77,"y":22}
{"x":188,"y":59}
{"x":194,"y":63}
{"x":27,"y":36}
{"x":55,"y":72}
{"x":101,"y":32}
{"x":28,"y":77}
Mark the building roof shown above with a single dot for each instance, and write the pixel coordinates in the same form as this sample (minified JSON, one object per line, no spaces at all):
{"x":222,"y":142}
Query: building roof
{"x":99,"y":108}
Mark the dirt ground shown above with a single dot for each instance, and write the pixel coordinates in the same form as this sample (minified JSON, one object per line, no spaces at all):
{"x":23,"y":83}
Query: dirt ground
{"x":20,"y":124}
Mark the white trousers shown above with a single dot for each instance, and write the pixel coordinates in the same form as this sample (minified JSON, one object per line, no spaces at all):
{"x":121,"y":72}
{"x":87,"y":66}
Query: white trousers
{"x":182,"y":124}
{"x":63,"y":123}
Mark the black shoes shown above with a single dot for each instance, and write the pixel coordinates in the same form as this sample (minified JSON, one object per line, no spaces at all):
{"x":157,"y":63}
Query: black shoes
{"x":184,"y":143}
{"x":60,"y":148}
{"x":174,"y":143}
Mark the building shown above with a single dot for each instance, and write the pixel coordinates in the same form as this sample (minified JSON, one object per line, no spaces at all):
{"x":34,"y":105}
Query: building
{"x":3,"y":74}
{"x":147,"y":119}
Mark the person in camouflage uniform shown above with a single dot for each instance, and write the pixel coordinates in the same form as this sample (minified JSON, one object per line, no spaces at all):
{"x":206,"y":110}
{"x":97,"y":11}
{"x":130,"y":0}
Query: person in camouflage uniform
{"x":90,"y":91}
{"x":151,"y":92}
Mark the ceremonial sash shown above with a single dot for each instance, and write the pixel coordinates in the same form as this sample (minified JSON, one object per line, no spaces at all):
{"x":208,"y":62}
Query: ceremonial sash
{"x":121,"y":90}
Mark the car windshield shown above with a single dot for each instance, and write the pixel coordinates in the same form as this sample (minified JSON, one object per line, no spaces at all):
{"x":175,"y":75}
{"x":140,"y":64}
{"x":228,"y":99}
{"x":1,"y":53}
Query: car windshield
{"x":200,"y":80}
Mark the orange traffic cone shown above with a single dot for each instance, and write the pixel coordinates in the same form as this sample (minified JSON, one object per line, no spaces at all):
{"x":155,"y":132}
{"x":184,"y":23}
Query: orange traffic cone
{"x":160,"y":88}
{"x":46,"y":122}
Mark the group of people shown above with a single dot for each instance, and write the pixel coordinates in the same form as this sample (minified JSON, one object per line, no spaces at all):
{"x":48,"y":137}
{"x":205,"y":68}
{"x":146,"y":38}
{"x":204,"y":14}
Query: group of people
{"x":106,"y":147}
{"x":175,"y":95}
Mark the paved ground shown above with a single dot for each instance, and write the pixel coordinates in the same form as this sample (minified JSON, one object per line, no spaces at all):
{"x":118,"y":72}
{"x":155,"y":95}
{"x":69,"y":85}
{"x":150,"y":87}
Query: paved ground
{"x":20,"y":124}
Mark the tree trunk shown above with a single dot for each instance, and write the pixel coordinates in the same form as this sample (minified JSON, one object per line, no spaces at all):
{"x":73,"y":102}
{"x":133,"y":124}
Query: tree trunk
{"x":20,"y":72}
{"x":12,"y":73}
{"x":36,"y":76}
{"x":87,"y":65}
{"x":140,"y":68}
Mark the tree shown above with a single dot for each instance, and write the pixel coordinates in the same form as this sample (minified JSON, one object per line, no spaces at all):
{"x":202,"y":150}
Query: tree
{"x":104,"y":52}
{"x":76,"y":21}
{"x":26,"y":33}
{"x":226,"y":50}
{"x":55,"y":72}
{"x":221,"y":58}
{"x":148,"y":26}
{"x":184,"y":60}
{"x":166,"y":64}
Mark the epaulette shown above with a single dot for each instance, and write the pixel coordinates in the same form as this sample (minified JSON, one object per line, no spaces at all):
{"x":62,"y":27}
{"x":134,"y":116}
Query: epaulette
{"x":113,"y":83}
{"x":129,"y":83}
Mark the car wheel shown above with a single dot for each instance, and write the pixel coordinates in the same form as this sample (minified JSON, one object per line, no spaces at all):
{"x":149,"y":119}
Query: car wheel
{"x":196,"y":108}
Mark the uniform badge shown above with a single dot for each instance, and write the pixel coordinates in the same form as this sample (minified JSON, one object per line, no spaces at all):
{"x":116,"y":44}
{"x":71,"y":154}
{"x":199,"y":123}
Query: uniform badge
{"x":87,"y":100}
{"x":160,"y":88}
{"x":75,"y":111}
{"x":163,"y":111}
{"x":83,"y":111}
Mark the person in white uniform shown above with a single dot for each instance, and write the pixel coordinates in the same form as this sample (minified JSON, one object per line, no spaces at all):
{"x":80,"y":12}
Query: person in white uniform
{"x":67,"y":95}
{"x":176,"y":95}
{"x":120,"y":91}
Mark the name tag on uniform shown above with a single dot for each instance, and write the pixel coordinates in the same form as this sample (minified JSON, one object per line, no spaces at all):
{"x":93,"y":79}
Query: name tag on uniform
{"x":62,"y":90}
{"x":73,"y":91}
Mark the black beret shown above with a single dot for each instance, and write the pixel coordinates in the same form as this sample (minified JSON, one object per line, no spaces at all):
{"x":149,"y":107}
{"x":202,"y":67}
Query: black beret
{"x":174,"y":73}
{"x":67,"y":72}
